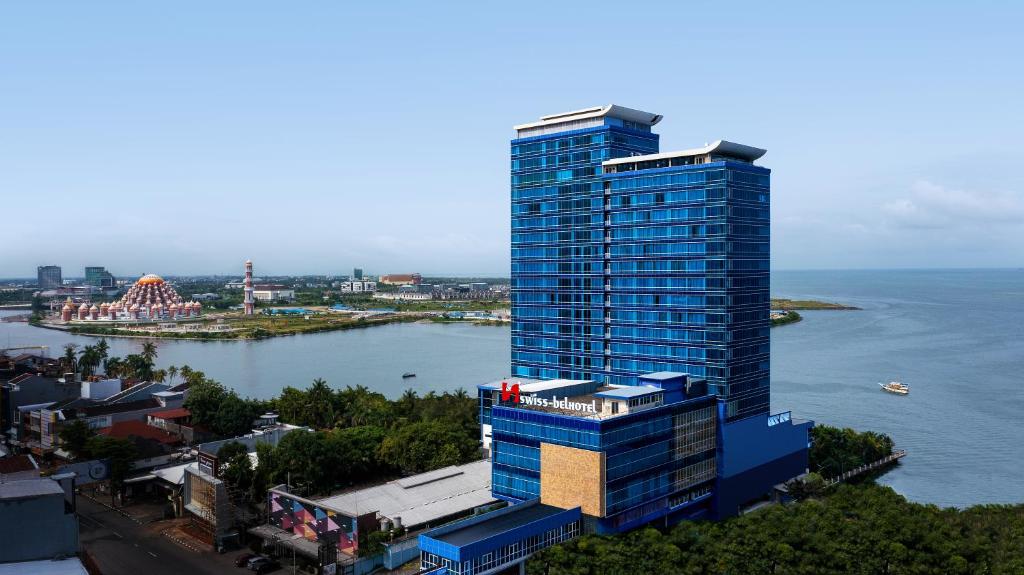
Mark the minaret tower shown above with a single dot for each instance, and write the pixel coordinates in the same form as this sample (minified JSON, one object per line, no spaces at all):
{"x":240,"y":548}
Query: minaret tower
{"x":248,"y":288}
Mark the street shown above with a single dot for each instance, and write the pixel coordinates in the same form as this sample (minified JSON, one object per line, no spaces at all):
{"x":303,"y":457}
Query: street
{"x":121,"y":546}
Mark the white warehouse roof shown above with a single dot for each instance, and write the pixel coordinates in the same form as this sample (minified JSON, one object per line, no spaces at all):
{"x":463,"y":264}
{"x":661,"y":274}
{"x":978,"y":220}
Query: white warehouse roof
{"x":421,"y":498}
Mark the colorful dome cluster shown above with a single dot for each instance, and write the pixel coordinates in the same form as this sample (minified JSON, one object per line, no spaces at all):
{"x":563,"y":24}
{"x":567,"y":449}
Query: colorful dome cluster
{"x":150,"y":298}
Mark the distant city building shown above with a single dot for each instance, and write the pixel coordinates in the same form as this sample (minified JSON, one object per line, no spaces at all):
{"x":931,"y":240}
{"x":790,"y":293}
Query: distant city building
{"x":273,"y":292}
{"x":98,"y":276}
{"x":357,"y":273}
{"x":357,"y":286}
{"x":49,"y":277}
{"x":209,"y":296}
{"x":401,"y":279}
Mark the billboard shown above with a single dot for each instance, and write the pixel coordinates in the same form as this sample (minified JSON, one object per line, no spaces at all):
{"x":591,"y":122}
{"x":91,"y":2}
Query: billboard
{"x":313,"y":522}
{"x":88,"y":471}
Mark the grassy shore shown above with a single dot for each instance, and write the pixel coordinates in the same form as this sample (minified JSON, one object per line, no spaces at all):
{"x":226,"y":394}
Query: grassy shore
{"x":806,"y":304}
{"x":257,"y":327}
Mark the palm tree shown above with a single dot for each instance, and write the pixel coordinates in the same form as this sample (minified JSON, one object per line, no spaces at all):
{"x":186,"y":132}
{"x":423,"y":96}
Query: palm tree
{"x":102,"y":348}
{"x":113,"y":367}
{"x":69,"y":359}
{"x":319,"y":403}
{"x":159,"y":375}
{"x":149,"y":351}
{"x":171,"y":373}
{"x":89,"y":360}
{"x":186,"y":373}
{"x":461,"y":393}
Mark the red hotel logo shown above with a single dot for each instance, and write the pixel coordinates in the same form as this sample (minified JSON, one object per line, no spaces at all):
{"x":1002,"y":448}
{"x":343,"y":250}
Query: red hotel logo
{"x":507,"y":392}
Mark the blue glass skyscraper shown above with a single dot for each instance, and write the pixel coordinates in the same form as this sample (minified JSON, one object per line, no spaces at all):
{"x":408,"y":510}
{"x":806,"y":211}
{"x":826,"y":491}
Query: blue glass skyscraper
{"x":558,"y":235}
{"x":628,"y":261}
{"x":640,"y":343}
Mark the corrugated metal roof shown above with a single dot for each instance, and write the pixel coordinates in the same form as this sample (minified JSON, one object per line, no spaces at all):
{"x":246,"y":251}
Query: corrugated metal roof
{"x":26,"y":488}
{"x":421,"y":498}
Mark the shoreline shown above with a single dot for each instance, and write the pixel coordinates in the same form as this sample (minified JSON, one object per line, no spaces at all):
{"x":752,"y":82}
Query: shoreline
{"x":260,"y":333}
{"x":216,"y":337}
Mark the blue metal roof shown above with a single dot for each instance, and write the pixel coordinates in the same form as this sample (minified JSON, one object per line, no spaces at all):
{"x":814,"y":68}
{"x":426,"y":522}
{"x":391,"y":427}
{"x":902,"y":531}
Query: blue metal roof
{"x":628,"y":392}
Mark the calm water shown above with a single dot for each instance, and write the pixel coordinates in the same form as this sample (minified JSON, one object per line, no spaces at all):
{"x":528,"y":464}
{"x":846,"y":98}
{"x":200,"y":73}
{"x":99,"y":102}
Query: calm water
{"x":956,"y":337}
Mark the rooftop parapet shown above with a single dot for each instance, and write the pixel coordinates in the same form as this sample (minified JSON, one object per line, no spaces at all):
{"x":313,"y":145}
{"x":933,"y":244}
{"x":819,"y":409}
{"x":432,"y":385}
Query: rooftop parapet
{"x":586,"y":118}
{"x":718,"y":151}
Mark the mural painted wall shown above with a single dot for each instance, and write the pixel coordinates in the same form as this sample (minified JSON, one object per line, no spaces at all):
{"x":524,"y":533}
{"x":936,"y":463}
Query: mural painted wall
{"x":313,"y":522}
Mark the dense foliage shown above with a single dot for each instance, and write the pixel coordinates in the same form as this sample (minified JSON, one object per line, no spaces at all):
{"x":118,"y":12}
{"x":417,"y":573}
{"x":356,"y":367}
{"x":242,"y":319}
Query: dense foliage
{"x":217,"y":408}
{"x":361,"y":436}
{"x":834,"y":450}
{"x":858,"y":529}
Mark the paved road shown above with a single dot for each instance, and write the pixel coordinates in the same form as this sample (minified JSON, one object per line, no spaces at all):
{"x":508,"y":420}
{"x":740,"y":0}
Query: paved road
{"x":123,"y":547}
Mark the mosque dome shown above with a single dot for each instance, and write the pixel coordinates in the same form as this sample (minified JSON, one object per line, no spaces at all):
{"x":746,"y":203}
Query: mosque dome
{"x":150,"y":291}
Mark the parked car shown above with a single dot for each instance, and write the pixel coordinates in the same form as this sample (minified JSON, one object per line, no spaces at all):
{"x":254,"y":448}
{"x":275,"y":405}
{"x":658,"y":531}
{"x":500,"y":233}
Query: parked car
{"x":256,"y":561}
{"x":264,"y":565}
{"x":243,"y":559}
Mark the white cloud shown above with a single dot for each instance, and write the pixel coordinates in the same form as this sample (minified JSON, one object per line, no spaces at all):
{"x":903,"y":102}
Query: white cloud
{"x":933,"y":206}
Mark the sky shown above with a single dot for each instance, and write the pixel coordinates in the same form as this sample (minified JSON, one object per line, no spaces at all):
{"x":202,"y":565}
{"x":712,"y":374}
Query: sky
{"x":313,"y":137}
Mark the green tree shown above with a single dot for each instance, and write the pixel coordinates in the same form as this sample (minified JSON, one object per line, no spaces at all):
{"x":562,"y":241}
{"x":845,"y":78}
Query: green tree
{"x":319,"y":404}
{"x":291,"y":406}
{"x":75,"y":437}
{"x":236,"y":467}
{"x":122,"y":454}
{"x":234,"y":416}
{"x":427,"y":445}
{"x":149,"y":352}
{"x":70,"y":359}
{"x":88,"y":360}
{"x":303,"y":455}
{"x":103,"y":348}
{"x":204,"y":399}
{"x":114,"y":367}
{"x":811,"y":485}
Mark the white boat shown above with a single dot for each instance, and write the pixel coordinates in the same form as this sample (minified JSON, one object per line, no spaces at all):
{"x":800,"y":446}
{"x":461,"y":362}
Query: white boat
{"x":895,"y":387}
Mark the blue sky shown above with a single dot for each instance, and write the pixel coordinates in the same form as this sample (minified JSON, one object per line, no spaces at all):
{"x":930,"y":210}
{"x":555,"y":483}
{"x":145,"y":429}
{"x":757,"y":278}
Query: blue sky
{"x":312,"y":137}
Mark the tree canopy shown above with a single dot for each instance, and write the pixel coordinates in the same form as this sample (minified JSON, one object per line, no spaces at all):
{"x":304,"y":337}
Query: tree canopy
{"x":860,"y":529}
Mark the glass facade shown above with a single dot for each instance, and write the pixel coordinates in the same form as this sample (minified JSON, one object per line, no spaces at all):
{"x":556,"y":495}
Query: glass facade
{"x":627,"y":268}
{"x":558,"y":232}
{"x":654,"y":457}
{"x":688,"y":277}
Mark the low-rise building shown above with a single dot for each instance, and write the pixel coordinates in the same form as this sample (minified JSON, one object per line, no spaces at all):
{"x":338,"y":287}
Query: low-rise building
{"x":273,"y":292}
{"x":29,"y":390}
{"x":401,"y":279}
{"x":576,"y":456}
{"x":357,"y":286}
{"x":332,"y":529}
{"x":206,"y":498}
{"x":39,"y":521}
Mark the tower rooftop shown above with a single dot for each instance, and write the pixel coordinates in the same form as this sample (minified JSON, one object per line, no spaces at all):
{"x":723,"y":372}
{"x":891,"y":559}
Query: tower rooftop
{"x":719,"y":148}
{"x":581,"y":116}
